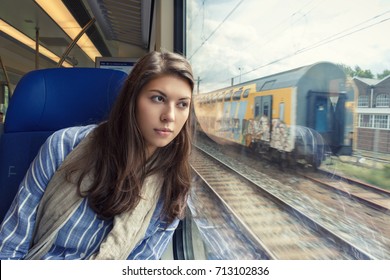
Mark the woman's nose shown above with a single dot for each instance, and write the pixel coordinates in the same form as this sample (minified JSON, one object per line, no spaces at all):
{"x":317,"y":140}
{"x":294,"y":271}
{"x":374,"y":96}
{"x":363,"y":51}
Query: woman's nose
{"x":168,"y":115}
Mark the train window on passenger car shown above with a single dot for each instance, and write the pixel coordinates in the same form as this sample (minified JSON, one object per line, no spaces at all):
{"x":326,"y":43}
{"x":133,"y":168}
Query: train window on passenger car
{"x":220,"y":97}
{"x":228,"y":95}
{"x":4,"y":99}
{"x":281,"y":111}
{"x":266,"y":108}
{"x":257,"y":109}
{"x":211,"y":98}
{"x":237,"y":95}
{"x":267,"y":85}
{"x":246,"y":93}
{"x":214,"y":97}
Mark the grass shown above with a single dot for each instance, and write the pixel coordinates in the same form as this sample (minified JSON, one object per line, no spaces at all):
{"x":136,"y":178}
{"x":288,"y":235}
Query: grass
{"x":379,"y":177}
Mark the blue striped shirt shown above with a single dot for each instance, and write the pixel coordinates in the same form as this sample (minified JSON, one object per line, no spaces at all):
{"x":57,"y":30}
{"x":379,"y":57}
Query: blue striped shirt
{"x":82,"y":234}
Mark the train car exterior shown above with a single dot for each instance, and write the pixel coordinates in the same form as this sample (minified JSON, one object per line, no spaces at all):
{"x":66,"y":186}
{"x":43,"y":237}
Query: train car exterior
{"x":299,"y":114}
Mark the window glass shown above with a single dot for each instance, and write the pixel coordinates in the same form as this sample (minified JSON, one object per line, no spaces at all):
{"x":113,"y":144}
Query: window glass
{"x":382,"y":100}
{"x":315,"y":83}
{"x":381,"y":121}
{"x":365,"y":121}
{"x":281,"y":111}
{"x":363,"y":101}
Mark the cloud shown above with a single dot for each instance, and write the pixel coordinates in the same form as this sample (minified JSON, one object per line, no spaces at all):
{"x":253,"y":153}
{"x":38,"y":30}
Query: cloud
{"x":260,"y":38}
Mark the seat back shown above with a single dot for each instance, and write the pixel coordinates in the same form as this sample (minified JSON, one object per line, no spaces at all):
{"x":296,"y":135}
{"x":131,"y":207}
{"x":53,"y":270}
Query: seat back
{"x":45,"y":101}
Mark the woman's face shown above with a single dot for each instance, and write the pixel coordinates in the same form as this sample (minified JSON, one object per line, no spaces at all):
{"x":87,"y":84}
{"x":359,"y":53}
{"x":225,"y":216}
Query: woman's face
{"x":163,"y":106}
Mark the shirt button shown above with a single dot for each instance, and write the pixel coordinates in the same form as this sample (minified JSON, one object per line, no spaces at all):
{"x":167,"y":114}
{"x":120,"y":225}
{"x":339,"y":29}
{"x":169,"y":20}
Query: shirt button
{"x":82,"y":255}
{"x":101,"y":224}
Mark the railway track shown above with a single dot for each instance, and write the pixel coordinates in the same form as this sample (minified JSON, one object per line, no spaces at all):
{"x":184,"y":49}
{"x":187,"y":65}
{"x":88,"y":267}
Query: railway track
{"x":280,"y":229}
{"x":372,"y":196}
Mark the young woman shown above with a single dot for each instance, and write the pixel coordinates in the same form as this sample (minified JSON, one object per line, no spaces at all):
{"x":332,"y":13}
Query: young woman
{"x":114,"y":190}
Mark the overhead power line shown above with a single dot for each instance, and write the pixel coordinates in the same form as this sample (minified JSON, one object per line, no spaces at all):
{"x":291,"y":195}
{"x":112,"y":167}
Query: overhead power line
{"x":327,"y":40}
{"x":215,"y":30}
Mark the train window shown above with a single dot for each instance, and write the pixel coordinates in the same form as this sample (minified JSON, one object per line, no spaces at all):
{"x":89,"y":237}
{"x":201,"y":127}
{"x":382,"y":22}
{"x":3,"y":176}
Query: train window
{"x":281,"y":111}
{"x":246,"y":93}
{"x":212,"y":96}
{"x":217,"y":96}
{"x":220,"y":97}
{"x":257,"y":109}
{"x":382,"y":100}
{"x":237,"y":95}
{"x":267,"y":85}
{"x":4,"y":98}
{"x":292,"y":68}
{"x":228,"y":95}
{"x":266,"y":109}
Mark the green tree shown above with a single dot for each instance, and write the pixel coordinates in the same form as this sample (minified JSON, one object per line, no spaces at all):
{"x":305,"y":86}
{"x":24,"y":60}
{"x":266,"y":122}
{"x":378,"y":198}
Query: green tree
{"x":359,"y":72}
{"x":356,"y":72}
{"x":385,"y":73}
{"x":347,"y":70}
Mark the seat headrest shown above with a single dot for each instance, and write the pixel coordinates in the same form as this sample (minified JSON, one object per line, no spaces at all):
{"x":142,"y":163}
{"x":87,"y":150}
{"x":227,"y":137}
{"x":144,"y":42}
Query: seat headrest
{"x":51,"y":99}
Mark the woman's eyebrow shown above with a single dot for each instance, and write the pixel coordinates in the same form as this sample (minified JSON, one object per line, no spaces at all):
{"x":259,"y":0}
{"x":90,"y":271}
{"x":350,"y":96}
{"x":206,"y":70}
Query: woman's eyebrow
{"x":166,"y":96}
{"x":158,"y":91}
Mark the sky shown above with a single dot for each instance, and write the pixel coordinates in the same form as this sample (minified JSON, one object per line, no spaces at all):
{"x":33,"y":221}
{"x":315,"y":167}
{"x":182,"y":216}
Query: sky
{"x":248,"y":39}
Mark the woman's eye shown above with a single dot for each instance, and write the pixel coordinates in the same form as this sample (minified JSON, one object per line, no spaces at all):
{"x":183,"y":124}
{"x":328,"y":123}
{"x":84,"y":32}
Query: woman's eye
{"x":158,"y":98}
{"x":183,"y":104}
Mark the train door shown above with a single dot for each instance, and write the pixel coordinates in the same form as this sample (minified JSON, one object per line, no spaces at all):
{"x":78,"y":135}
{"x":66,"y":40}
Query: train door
{"x":326,"y":115}
{"x":263,"y":106}
{"x":339,"y":123}
{"x":263,"y":117}
{"x":320,"y":114}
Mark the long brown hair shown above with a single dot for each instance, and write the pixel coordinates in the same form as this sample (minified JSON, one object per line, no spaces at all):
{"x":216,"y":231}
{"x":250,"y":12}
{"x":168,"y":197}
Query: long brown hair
{"x":116,"y":154}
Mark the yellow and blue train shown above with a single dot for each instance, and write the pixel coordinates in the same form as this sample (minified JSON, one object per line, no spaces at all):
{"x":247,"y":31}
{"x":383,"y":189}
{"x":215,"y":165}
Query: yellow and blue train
{"x":297,"y":115}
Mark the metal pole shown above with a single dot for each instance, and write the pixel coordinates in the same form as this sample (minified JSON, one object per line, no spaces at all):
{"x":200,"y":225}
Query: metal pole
{"x":70,"y":47}
{"x":37,"y":48}
{"x":6,"y":77}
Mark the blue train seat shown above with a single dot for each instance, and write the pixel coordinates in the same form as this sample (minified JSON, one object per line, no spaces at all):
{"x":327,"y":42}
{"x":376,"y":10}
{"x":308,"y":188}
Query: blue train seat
{"x":45,"y":101}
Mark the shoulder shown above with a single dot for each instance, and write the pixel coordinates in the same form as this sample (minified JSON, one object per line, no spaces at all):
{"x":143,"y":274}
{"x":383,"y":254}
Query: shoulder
{"x":70,"y":137}
{"x":63,"y":141}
